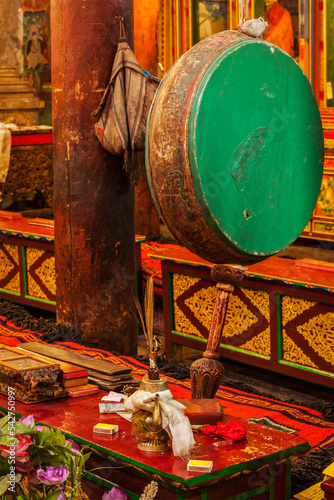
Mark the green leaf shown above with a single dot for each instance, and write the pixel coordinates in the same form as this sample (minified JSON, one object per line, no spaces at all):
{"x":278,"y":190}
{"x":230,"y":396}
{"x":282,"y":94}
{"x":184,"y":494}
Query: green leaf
{"x":3,"y":421}
{"x":8,"y":440}
{"x":4,"y":484}
{"x":53,"y":495}
{"x":86,"y":456}
{"x":17,"y":428}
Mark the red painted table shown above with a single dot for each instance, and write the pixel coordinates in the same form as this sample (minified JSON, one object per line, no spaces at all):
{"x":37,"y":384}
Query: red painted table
{"x":256,"y":468}
{"x":271,"y":319}
{"x":27,"y":263}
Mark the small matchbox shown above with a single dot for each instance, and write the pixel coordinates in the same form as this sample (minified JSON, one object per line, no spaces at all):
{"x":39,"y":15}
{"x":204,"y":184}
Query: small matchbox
{"x":105,"y":428}
{"x":199,"y":466}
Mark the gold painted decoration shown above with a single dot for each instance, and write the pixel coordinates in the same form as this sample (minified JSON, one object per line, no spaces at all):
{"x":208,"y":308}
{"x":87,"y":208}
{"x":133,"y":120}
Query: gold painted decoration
{"x":260,"y":344}
{"x":260,"y":300}
{"x":293,"y":307}
{"x":325,"y":203}
{"x":202,"y":305}
{"x":41,"y":280}
{"x":13,"y":251}
{"x":194,"y":307}
{"x":319,"y":333}
{"x":183,"y":324}
{"x":181,"y":284}
{"x":37,"y":164}
{"x":323,"y":227}
{"x":238,"y":318}
{"x":294,"y":354}
{"x":47,"y":273}
{"x":9,"y":267}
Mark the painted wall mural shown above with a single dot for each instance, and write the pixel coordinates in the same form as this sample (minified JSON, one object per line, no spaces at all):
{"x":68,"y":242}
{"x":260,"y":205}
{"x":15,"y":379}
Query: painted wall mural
{"x":37,"y":51}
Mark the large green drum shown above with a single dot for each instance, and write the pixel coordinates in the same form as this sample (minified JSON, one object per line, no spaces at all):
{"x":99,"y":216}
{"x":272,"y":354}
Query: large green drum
{"x":234,"y":149}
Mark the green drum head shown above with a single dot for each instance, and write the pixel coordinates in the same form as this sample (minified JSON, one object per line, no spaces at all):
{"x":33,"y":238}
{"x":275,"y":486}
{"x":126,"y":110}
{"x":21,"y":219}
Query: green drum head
{"x":255,"y":147}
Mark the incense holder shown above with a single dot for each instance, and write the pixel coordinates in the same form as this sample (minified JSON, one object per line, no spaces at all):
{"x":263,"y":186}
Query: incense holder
{"x":146,"y":425}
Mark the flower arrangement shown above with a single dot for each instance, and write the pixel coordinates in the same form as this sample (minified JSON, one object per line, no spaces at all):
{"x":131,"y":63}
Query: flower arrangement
{"x":38,"y":462}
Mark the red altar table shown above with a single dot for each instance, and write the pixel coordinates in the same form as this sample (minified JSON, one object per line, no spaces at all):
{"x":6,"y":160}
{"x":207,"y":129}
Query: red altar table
{"x":257,"y":468}
{"x":278,"y":317}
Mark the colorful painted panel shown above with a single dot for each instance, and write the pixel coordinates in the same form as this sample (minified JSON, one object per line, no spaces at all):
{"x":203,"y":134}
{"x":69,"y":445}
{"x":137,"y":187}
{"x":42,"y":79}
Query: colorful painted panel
{"x":323,"y":227}
{"x":9,"y":268}
{"x":329,"y":53}
{"x":307,"y":333}
{"x":325,"y":203}
{"x":37,"y":52}
{"x":41,"y":275}
{"x":247,"y":324}
{"x":212,"y":18}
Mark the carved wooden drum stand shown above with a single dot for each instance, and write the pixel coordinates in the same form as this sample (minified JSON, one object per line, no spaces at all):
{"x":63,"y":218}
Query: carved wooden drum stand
{"x":234,"y":156}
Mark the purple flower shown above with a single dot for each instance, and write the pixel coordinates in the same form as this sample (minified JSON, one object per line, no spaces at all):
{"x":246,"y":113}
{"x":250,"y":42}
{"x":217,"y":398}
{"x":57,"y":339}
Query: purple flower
{"x":115,"y":494}
{"x":28,"y":421}
{"x":41,"y":427}
{"x":74,"y":447}
{"x":53,"y":475}
{"x":61,"y":495}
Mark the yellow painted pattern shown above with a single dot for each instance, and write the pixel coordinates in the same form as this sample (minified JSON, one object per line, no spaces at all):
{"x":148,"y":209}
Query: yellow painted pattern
{"x":6,"y":266}
{"x":47,"y":273}
{"x":261,"y":344}
{"x":33,"y":288}
{"x":260,"y":300}
{"x":294,"y":354}
{"x":238,"y":318}
{"x":202,"y":305}
{"x":293,"y":307}
{"x":319,"y":333}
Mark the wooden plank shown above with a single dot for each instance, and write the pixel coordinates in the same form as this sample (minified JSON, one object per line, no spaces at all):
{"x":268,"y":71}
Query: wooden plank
{"x":67,"y":368}
{"x":98,"y":365}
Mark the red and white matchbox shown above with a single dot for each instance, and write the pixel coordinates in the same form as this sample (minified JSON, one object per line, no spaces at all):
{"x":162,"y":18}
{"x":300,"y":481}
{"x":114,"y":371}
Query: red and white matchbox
{"x":105,"y":428}
{"x":199,"y":466}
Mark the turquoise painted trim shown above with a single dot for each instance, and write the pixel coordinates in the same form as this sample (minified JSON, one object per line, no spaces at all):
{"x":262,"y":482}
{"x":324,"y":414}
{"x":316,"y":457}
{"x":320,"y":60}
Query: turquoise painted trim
{"x":251,"y":494}
{"x":27,"y":235}
{"x":288,"y":481}
{"x":37,"y":299}
{"x":288,"y":282}
{"x":226,"y":471}
{"x":107,"y":484}
{"x":306,"y":368}
{"x":8,"y":291}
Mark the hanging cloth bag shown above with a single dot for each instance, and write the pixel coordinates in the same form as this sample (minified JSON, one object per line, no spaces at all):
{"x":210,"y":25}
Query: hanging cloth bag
{"x":122,"y":113}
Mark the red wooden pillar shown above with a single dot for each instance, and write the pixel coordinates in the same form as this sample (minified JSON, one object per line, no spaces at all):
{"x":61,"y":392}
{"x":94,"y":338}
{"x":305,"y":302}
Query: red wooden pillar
{"x":93,"y":201}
